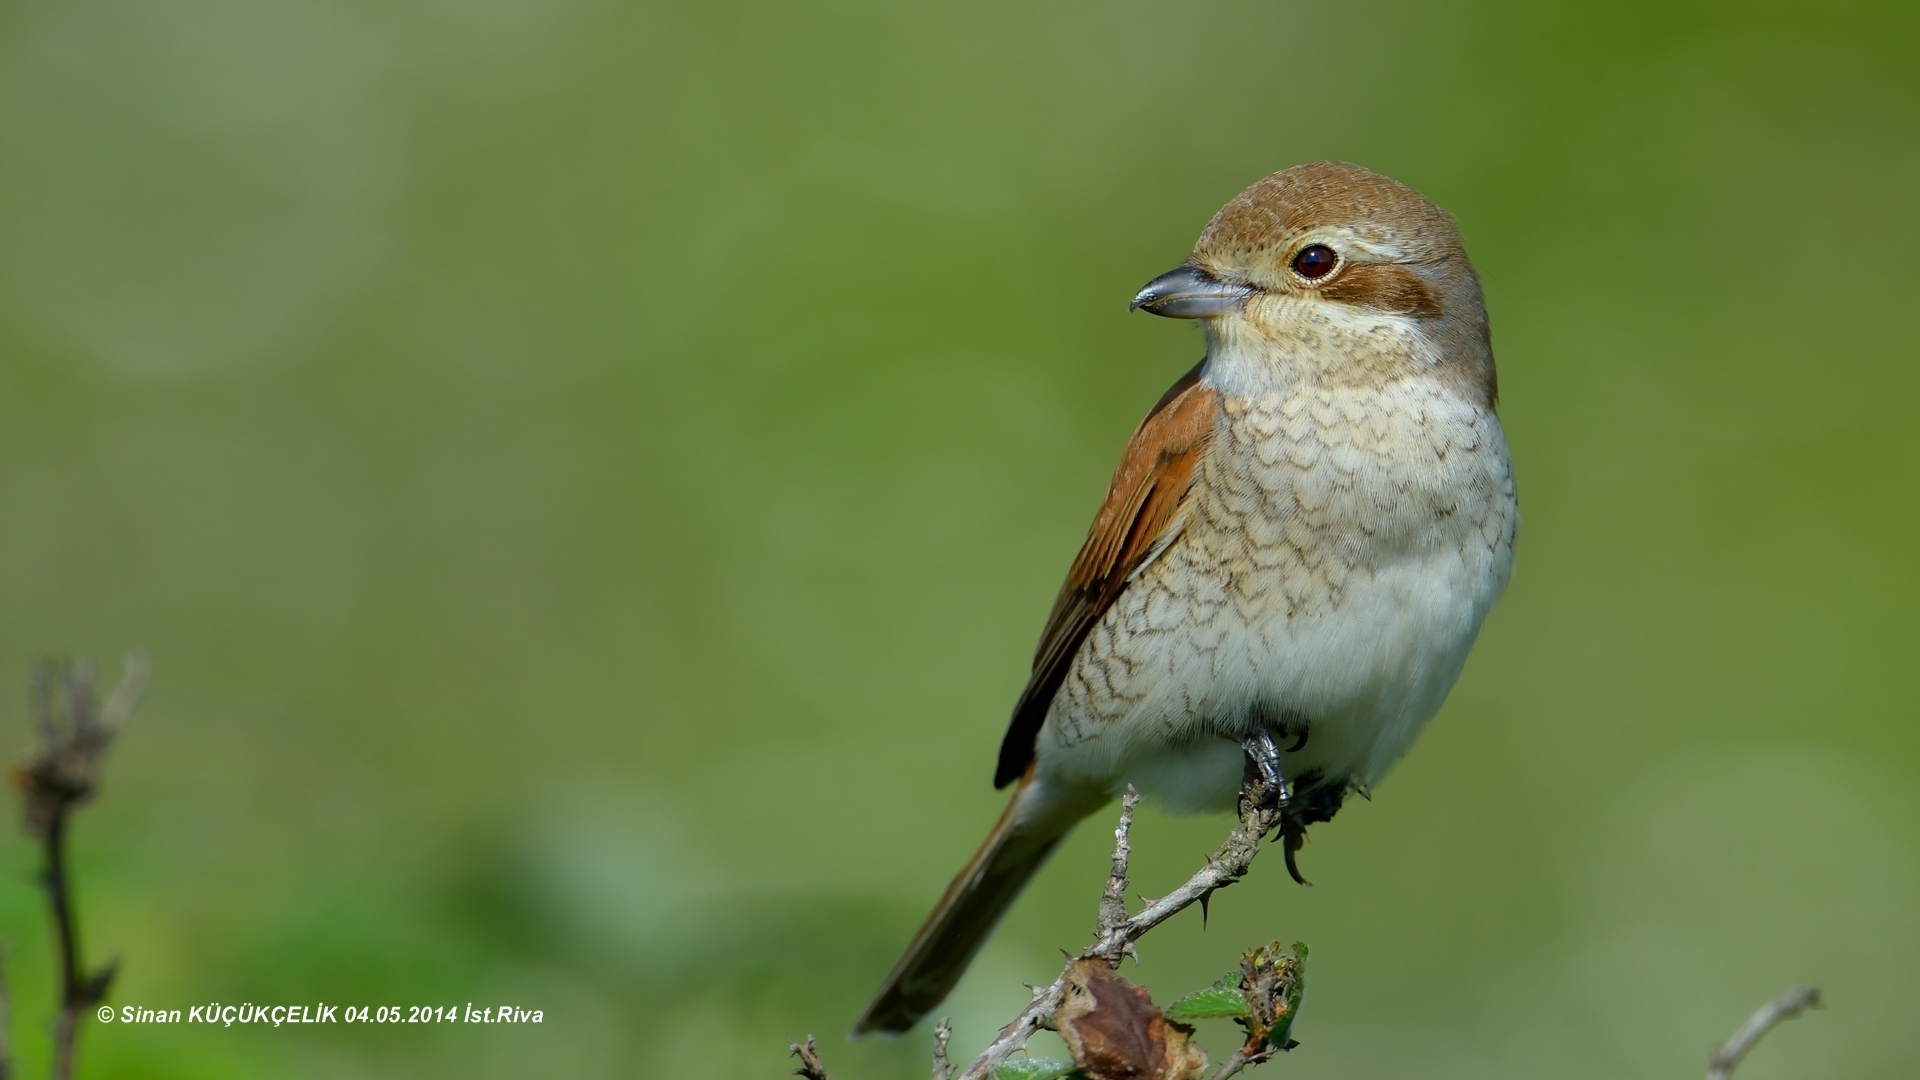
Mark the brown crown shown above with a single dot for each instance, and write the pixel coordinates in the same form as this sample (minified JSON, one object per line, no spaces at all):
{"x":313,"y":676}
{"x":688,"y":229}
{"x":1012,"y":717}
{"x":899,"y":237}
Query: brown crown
{"x":1260,"y":223}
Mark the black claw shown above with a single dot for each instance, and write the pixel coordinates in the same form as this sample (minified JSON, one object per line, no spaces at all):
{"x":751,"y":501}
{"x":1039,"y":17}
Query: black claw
{"x":1299,"y":742}
{"x":1293,"y":869}
{"x":1294,"y":837}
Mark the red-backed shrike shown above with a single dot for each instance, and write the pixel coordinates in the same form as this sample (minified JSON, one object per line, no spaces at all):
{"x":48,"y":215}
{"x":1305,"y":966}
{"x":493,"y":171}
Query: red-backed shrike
{"x":1295,"y":554}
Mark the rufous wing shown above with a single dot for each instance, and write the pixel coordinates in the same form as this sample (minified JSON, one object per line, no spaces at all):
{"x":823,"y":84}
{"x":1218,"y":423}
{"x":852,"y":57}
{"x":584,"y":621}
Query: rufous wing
{"x":1143,"y":509}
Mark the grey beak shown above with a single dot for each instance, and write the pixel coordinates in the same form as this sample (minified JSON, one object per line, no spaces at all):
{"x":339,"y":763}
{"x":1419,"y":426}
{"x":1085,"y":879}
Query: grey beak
{"x":1188,"y":292}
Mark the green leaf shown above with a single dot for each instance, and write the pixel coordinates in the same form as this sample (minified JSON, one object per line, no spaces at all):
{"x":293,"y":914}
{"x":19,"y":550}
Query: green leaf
{"x":1035,"y":1069}
{"x":1222,"y":1000}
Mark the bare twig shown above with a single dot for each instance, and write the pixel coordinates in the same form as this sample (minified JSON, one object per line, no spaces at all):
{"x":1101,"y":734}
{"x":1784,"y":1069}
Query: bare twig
{"x":809,"y":1056}
{"x":6,"y":1019}
{"x":1113,"y":901}
{"x":1260,"y":813}
{"x":1240,"y":1060}
{"x":76,"y":733}
{"x":942,"y":1068}
{"x":1785,"y":1007}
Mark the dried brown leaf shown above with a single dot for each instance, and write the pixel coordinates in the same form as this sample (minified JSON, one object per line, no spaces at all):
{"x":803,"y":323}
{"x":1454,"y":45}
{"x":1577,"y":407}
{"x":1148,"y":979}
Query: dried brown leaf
{"x":1116,"y":1032}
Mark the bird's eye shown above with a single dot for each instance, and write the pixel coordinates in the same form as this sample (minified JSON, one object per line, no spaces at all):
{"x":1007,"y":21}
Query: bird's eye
{"x":1315,"y":261}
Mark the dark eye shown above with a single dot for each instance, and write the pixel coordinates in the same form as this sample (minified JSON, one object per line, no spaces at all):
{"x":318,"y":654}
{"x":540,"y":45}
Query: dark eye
{"x":1315,"y":261}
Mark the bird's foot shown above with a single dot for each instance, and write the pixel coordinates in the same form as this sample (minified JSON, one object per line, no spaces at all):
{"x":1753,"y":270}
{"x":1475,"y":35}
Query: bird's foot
{"x":1265,"y":789}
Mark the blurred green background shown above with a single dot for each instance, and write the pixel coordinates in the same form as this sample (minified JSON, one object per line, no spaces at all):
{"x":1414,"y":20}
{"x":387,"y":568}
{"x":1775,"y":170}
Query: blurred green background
{"x":590,"y":475}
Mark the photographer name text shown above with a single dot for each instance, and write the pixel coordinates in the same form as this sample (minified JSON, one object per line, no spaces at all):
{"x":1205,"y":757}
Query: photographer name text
{"x":278,"y":1015}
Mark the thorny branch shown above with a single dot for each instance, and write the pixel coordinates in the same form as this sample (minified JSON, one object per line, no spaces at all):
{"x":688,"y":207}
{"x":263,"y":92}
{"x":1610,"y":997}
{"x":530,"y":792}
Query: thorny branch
{"x":1262,"y":810}
{"x":1785,"y":1007}
{"x":76,"y":731}
{"x":1238,"y":1061}
{"x":1260,"y":813}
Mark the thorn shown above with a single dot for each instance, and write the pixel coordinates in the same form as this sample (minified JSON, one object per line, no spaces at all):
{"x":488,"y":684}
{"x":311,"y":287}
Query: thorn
{"x":1206,"y":898}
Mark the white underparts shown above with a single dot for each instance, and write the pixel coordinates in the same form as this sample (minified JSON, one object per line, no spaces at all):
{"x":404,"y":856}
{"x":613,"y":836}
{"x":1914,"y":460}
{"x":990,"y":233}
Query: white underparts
{"x":1340,"y":549}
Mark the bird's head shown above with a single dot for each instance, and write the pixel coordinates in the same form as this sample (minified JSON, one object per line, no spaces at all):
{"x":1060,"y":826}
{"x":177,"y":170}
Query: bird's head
{"x":1329,"y":272}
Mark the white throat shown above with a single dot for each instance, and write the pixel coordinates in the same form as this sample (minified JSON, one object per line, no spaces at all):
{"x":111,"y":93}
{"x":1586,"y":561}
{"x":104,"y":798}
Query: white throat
{"x":1300,"y":342}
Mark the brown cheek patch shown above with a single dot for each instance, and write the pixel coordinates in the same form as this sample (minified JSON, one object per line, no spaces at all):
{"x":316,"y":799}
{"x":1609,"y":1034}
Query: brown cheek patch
{"x":1392,"y":289}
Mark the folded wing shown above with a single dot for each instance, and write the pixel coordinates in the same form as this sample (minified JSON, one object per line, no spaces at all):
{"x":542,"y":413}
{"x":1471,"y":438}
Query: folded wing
{"x":1144,"y":510}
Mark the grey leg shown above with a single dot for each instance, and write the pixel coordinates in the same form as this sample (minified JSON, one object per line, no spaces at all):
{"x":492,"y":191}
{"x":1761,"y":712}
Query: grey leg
{"x":1263,"y":761}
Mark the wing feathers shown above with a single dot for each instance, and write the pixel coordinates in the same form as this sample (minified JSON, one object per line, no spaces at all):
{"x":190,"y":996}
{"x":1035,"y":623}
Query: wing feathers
{"x":1142,"y":512}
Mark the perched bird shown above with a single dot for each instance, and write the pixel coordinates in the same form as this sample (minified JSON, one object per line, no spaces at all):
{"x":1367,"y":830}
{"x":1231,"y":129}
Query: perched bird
{"x":1293,"y":559}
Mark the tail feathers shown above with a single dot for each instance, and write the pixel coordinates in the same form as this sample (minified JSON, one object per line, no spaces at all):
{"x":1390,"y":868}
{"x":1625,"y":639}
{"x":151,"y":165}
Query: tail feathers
{"x":972,"y":906}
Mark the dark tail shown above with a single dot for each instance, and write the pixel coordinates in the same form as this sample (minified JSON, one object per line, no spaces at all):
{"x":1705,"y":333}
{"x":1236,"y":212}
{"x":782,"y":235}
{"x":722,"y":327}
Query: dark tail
{"x":1014,"y":851}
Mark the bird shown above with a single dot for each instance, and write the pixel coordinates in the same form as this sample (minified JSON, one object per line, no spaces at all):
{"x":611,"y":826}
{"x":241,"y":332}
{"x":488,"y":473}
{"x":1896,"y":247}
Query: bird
{"x":1293,"y":559}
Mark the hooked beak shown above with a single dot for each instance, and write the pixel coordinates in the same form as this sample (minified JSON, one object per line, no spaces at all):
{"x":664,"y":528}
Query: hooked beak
{"x":1188,"y":292}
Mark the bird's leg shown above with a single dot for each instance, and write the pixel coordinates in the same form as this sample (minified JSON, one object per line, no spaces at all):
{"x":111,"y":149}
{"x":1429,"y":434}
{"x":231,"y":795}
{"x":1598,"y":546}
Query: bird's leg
{"x":1264,"y":778}
{"x":1264,"y":755}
